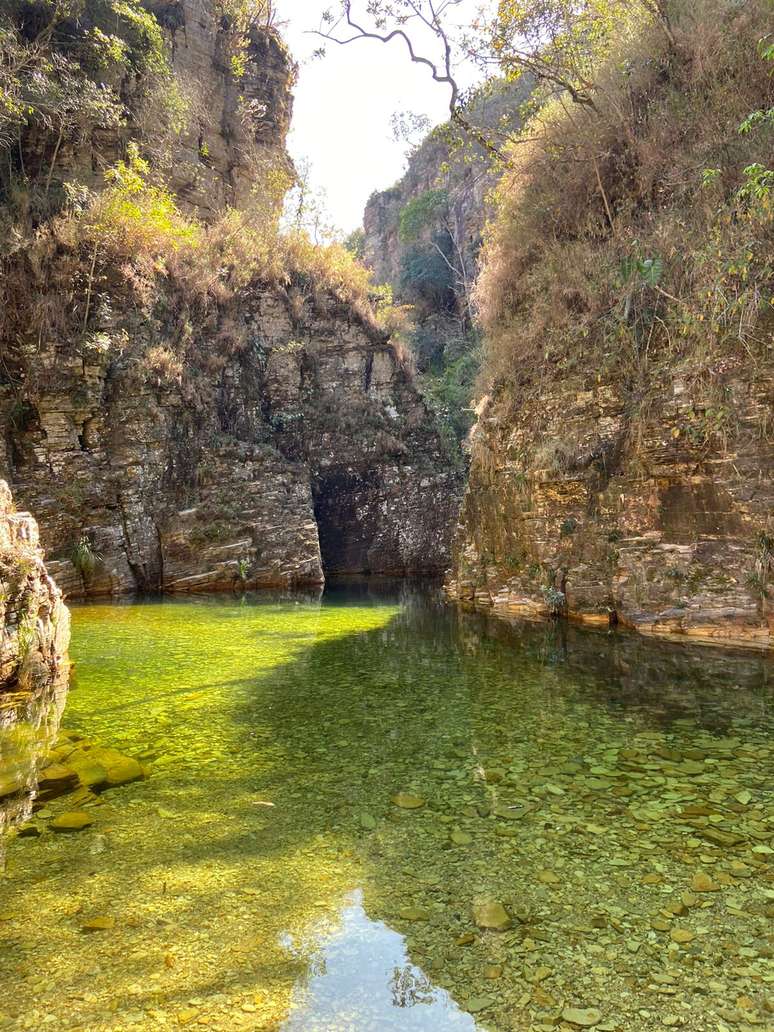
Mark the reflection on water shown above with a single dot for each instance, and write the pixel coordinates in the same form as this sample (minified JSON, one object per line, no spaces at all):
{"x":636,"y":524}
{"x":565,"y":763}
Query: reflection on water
{"x":360,"y":976}
{"x":377,"y":779}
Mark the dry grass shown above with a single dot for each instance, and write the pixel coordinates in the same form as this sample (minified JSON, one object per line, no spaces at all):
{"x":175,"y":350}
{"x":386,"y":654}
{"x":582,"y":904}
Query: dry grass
{"x":597,"y":190}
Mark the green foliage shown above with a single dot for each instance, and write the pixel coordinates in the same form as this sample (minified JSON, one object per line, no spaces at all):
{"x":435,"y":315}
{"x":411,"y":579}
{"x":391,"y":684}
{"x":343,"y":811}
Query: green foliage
{"x":242,"y":17}
{"x":647,"y":271}
{"x":355,"y":244}
{"x":84,"y":558}
{"x":568,"y":527}
{"x":426,"y":274}
{"x":422,"y":213}
{"x":603,"y":253}
{"x":758,"y":183}
{"x":561,"y":42}
{"x":67,"y":70}
{"x":555,"y":600}
{"x":134,"y":216}
{"x":451,"y":388}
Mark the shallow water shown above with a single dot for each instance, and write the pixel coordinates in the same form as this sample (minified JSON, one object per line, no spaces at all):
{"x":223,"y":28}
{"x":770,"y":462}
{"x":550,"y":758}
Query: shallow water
{"x":262,"y":877}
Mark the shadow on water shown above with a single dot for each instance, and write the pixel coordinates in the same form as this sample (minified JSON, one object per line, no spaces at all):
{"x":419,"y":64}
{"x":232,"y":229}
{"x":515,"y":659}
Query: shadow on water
{"x":550,"y":766}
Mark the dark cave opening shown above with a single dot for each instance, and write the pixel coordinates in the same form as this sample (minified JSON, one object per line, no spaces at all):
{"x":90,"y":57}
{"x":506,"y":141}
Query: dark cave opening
{"x":347,"y":522}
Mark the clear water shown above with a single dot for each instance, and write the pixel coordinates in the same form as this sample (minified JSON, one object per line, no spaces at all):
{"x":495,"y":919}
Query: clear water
{"x":262,"y":877}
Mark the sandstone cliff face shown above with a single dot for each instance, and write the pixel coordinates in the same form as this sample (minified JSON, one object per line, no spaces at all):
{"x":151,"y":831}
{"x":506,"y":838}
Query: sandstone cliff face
{"x":238,"y":123}
{"x":33,"y":662}
{"x":578,"y":504}
{"x":288,"y":441}
{"x":181,"y":440}
{"x":230,"y":128}
{"x":459,"y":168}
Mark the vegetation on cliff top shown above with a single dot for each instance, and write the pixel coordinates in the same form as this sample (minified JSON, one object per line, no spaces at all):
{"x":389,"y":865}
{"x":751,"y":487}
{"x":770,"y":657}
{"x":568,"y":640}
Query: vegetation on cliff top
{"x":638,"y":225}
{"x":632,"y":222}
{"x":93,"y":79}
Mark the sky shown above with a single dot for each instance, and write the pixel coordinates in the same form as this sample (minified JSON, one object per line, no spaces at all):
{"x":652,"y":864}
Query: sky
{"x":344,"y":103}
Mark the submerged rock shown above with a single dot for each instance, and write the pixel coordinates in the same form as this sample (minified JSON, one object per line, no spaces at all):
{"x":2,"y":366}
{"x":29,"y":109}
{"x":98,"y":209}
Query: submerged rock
{"x":492,"y":917}
{"x":99,"y":924}
{"x":582,"y":1017}
{"x":73,"y":820}
{"x":408,"y":801}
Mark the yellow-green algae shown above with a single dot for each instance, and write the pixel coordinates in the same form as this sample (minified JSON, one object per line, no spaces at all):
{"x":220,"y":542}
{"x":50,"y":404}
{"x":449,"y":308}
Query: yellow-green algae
{"x":612,"y":797}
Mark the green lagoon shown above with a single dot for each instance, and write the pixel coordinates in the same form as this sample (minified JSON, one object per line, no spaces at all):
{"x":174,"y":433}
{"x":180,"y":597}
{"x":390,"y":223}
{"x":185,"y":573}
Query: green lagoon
{"x":373,"y":812}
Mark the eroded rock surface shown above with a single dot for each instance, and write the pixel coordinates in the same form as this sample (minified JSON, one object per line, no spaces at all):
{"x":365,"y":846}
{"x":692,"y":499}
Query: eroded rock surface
{"x":292,"y":442}
{"x":578,"y":504}
{"x":33,"y":663}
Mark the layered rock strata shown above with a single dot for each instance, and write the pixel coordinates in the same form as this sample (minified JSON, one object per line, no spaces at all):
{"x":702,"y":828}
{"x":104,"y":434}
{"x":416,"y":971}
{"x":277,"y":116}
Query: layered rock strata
{"x":33,"y":661}
{"x":578,"y":503}
{"x":289,"y":441}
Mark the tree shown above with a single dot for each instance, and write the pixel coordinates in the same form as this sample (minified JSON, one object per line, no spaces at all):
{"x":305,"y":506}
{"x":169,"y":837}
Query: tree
{"x":558,"y":43}
{"x":388,"y":20}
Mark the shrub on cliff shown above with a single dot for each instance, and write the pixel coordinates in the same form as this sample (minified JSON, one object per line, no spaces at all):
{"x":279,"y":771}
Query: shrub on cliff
{"x":640,"y":225}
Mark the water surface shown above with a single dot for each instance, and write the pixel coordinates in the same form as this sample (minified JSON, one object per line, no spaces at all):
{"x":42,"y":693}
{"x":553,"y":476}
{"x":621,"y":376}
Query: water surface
{"x":262,"y":876}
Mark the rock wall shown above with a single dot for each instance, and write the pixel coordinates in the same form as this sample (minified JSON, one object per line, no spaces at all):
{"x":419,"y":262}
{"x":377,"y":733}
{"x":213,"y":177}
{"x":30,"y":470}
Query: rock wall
{"x":226,"y":128}
{"x":33,"y":661}
{"x":177,"y":438}
{"x":238,"y":123}
{"x":579,"y":503}
{"x":459,"y":168}
{"x":155,"y":469}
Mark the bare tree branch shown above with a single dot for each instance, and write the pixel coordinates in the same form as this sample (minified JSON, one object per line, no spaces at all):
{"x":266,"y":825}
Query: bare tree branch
{"x":441,"y":73}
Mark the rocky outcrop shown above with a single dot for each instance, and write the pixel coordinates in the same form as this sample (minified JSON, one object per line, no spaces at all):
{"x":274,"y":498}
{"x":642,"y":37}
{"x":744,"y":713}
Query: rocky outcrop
{"x":178,"y":437}
{"x":580,"y":504}
{"x":239,"y":112}
{"x":462,"y":173}
{"x":287,"y":441}
{"x":214,"y":126}
{"x":33,"y":662}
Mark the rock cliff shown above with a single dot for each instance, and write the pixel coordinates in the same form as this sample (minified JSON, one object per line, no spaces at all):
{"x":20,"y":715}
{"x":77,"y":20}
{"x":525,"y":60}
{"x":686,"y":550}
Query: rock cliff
{"x":33,"y":662}
{"x":623,"y":460}
{"x":180,"y":438}
{"x":290,"y":442}
{"x":423,"y":236}
{"x":462,"y":174}
{"x":574,"y":506}
{"x":213,"y":120}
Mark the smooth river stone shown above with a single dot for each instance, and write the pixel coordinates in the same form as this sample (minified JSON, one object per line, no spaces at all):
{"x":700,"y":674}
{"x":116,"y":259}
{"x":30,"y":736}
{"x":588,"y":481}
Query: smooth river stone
{"x":492,"y":916}
{"x":583,"y":1018}
{"x":74,"y":820}
{"x":407,"y":801}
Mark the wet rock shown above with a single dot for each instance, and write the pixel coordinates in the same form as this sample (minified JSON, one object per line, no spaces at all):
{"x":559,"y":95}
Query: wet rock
{"x":681,"y":935}
{"x":91,"y":773}
{"x":582,"y":1017}
{"x":99,"y":924}
{"x":414,"y":913}
{"x":476,"y":1004}
{"x":460,"y":838}
{"x":703,"y":883}
{"x":549,"y":878}
{"x":408,"y":801}
{"x":10,"y":783}
{"x":56,"y":780}
{"x":492,"y":917}
{"x":29,"y":831}
{"x":74,"y":820}
{"x":121,"y":770}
